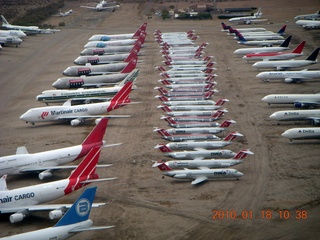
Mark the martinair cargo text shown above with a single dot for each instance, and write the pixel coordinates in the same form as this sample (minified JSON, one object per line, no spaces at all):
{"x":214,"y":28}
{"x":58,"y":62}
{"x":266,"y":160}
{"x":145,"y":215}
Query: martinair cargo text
{"x":22,"y":201}
{"x":47,"y":162}
{"x":75,"y":220}
{"x":79,"y":113}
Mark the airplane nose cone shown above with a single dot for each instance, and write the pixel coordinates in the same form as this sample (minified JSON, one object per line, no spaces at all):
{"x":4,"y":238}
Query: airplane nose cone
{"x":285,"y":134}
{"x":23,"y":117}
{"x":239,"y":174}
{"x":259,"y":75}
{"x":264,"y":99}
{"x":273,"y":116}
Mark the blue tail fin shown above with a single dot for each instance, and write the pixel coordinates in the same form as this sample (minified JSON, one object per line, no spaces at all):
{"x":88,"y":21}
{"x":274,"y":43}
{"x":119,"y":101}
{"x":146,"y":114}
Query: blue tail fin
{"x":286,"y":42}
{"x":80,"y":210}
{"x":282,"y":30}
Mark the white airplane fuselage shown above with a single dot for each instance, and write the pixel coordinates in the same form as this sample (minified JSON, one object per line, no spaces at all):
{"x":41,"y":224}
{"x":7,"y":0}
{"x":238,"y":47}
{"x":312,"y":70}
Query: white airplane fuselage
{"x":201,"y":154}
{"x":106,"y":50}
{"x":303,"y":99}
{"x":61,"y":232}
{"x":309,"y":24}
{"x":103,"y":59}
{"x":94,"y":69}
{"x":261,"y":42}
{"x":283,"y":64}
{"x":209,"y":163}
{"x":261,"y":37}
{"x":273,"y":56}
{"x":194,"y":103}
{"x":211,"y":130}
{"x":101,"y":44}
{"x":77,"y":82}
{"x":194,"y":107}
{"x":294,"y":115}
{"x":243,"y":51}
{"x":15,"y":164}
{"x":104,"y":37}
{"x":200,"y":144}
{"x":290,"y":76}
{"x":54,"y":113}
{"x":190,"y":113}
{"x":302,"y":133}
{"x":63,"y":95}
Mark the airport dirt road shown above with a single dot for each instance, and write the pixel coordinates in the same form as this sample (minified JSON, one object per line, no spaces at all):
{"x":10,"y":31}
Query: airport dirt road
{"x":279,"y":178}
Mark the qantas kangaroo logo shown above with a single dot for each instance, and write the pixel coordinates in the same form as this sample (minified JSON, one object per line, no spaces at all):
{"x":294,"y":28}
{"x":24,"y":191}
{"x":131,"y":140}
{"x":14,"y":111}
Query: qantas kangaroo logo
{"x":44,"y":114}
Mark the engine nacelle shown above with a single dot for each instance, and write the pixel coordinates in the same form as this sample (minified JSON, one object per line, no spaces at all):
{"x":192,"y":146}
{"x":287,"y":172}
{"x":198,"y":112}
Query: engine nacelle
{"x":180,"y":176}
{"x":17,"y":217}
{"x":44,"y":175}
{"x":315,"y":122}
{"x":97,"y":121}
{"x":55,"y":214}
{"x":75,"y":122}
{"x":288,"y":80}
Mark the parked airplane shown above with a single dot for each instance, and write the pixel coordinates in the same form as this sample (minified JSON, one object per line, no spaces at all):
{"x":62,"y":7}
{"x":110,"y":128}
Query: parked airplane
{"x":298,"y":100}
{"x":178,"y":113}
{"x":121,"y":42}
{"x":283,"y":46}
{"x":103,"y":5}
{"x":111,"y":50}
{"x":29,"y":30}
{"x":288,"y":64}
{"x":249,"y":19}
{"x":205,"y":144}
{"x":194,"y":122}
{"x":195,"y":154}
{"x":187,"y":80}
{"x":253,"y":37}
{"x":309,"y":24}
{"x":297,"y":115}
{"x":264,"y":43}
{"x":200,"y":125}
{"x":311,"y":16}
{"x":84,"y":95}
{"x":302,"y":133}
{"x":290,"y":76}
{"x":75,"y":220}
{"x":200,"y":175}
{"x":93,"y":81}
{"x":25,"y":200}
{"x":206,"y":96}
{"x":207,"y":107}
{"x":209,"y":163}
{"x":78,"y":114}
{"x":64,"y":14}
{"x":100,"y":69}
{"x":10,"y":40}
{"x":110,"y":37}
{"x":105,"y":59}
{"x":45,"y":163}
{"x":184,"y":137}
{"x":213,"y":130}
{"x":226,"y":28}
{"x":16,"y":33}
{"x":262,"y":33}
{"x":276,"y":55}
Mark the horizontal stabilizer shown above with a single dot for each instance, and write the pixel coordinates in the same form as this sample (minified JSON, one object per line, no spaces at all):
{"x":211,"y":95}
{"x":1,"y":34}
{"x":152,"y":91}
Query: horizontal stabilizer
{"x":77,"y":230}
{"x":98,"y":180}
{"x":22,"y":150}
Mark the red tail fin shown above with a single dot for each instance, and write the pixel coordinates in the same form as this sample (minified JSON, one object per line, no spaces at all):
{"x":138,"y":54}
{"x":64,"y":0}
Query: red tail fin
{"x":242,"y":154}
{"x":131,"y":65}
{"x":163,"y":148}
{"x":217,"y":114}
{"x":85,"y":170}
{"x":165,"y":108}
{"x":140,"y":30}
{"x":163,"y":98}
{"x":169,"y":120}
{"x":165,"y":82}
{"x":162,"y":132}
{"x":161,"y":90}
{"x":209,"y":94}
{"x":207,"y":58}
{"x":221,"y":101}
{"x":168,"y":63}
{"x":131,"y":55}
{"x":208,"y":70}
{"x":165,"y":75}
{"x":163,"y":167}
{"x":136,"y":47}
{"x":226,"y":123}
{"x":161,"y":69}
{"x":97,"y":133}
{"x":141,"y":38}
{"x":232,"y":136}
{"x":121,"y":98}
{"x":224,"y":26}
{"x":166,"y":57}
{"x":299,"y":48}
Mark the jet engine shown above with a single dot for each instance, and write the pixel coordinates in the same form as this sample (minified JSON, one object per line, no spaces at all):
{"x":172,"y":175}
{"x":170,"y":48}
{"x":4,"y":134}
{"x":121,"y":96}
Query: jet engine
{"x":315,"y":122}
{"x":17,"y":217}
{"x":180,"y":176}
{"x":75,"y":122}
{"x":55,"y":214}
{"x":44,"y":175}
{"x":288,"y":80}
{"x":302,"y":105}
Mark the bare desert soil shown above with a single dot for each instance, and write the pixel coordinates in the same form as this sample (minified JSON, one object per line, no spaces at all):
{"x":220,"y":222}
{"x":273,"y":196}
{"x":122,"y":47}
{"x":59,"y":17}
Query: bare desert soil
{"x":279,"y":176}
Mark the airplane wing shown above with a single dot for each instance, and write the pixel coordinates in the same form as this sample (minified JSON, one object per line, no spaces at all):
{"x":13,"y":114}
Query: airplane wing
{"x":198,"y":158}
{"x":46,"y":207}
{"x":199,"y":180}
{"x":54,"y":168}
{"x":88,"y":7}
{"x":200,"y":149}
{"x":77,"y":230}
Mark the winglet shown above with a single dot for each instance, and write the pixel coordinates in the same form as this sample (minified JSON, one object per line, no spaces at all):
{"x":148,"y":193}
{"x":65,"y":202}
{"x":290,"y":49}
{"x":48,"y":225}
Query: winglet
{"x":80,"y":210}
{"x":3,"y":183}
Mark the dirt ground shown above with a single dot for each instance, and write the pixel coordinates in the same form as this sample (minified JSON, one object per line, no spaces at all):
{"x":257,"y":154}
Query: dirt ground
{"x":279,"y":176}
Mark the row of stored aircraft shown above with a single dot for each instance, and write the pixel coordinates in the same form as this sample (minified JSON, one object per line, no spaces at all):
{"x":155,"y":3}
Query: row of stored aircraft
{"x":186,"y":101}
{"x":21,"y":202}
{"x":273,"y":57}
{"x":88,"y":107}
{"x":308,"y":21}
